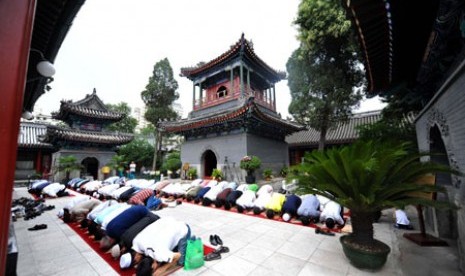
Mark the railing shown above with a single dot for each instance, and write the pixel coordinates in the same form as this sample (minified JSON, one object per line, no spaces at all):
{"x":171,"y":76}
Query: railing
{"x":268,"y":103}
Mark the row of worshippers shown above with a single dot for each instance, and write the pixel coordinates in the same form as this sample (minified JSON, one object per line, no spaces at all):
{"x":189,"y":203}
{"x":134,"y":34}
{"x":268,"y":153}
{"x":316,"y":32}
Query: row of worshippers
{"x":307,"y":208}
{"x":119,"y":188}
{"x":132,"y":233}
{"x":42,"y":187}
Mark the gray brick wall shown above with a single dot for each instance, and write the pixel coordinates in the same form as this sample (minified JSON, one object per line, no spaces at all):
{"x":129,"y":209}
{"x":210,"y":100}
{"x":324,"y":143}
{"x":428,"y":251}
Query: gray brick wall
{"x":274,"y":154}
{"x":447,"y":113}
{"x":103,"y":158}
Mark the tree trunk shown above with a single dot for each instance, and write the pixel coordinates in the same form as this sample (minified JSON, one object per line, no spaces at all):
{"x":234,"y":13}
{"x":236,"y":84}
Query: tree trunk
{"x":324,"y":124}
{"x":322,"y":141}
{"x":155,"y":152}
{"x":362,"y":227}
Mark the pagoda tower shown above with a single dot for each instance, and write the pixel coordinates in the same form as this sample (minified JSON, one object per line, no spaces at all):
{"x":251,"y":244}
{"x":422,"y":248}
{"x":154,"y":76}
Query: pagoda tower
{"x":234,"y":115}
{"x":84,"y":135}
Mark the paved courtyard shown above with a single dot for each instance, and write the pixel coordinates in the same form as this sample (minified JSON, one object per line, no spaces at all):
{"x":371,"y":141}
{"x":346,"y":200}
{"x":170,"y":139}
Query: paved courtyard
{"x":257,"y":247}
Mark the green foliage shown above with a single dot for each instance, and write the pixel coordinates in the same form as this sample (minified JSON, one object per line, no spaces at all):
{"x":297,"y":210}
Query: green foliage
{"x":367,"y":177}
{"x":139,"y":151}
{"x":160,"y":93}
{"x":158,"y":96}
{"x":128,"y":123}
{"x":267,"y":173}
{"x":250,"y":163}
{"x":147,"y":131}
{"x":385,"y":130}
{"x":67,"y":164}
{"x":217,"y":174}
{"x":118,"y":162}
{"x":324,"y":72}
{"x":284,"y":171}
{"x":172,"y":162}
{"x":192,"y":173}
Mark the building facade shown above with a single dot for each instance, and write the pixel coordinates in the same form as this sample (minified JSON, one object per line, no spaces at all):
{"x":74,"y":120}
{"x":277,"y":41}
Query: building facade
{"x":84,"y":135}
{"x":234,"y":115}
{"x":34,"y":158}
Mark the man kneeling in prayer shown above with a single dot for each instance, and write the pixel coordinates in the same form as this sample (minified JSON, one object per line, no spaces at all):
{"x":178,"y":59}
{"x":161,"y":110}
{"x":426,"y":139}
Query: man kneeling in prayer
{"x":158,"y":241}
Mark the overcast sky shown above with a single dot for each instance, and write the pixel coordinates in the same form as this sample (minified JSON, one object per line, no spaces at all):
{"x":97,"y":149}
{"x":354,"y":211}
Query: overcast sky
{"x":113,"y":45}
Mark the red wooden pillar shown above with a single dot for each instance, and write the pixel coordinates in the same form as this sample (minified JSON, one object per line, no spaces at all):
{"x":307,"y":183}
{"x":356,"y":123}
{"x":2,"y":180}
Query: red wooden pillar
{"x":16,"y":21}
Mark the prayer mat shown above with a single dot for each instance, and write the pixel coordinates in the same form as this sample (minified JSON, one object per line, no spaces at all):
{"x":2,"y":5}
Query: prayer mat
{"x":114,"y":263}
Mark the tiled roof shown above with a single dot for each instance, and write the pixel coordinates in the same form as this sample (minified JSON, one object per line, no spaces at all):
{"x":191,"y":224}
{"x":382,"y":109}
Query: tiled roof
{"x":55,"y":134}
{"x":91,"y":106}
{"x":242,"y":111}
{"x":29,"y":134}
{"x":344,"y":133}
{"x":242,"y":45}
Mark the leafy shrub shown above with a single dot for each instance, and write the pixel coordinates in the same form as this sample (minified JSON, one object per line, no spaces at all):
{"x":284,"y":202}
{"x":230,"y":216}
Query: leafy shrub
{"x":192,"y":173}
{"x":250,"y":163}
{"x":217,"y":174}
{"x":267,"y":173}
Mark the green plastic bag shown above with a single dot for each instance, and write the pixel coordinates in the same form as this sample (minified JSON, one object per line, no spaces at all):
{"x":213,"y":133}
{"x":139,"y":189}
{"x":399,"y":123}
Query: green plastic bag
{"x":194,"y":254}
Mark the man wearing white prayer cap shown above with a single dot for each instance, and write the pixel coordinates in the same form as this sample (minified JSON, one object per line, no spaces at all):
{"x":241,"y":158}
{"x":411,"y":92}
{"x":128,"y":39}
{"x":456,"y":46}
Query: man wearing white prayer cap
{"x":125,"y":260}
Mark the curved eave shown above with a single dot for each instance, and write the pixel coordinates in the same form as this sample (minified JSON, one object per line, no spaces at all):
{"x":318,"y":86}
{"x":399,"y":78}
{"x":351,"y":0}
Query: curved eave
{"x":193,"y":72}
{"x":55,"y":134}
{"x":44,"y":146}
{"x":250,"y":108}
{"x":67,"y":109}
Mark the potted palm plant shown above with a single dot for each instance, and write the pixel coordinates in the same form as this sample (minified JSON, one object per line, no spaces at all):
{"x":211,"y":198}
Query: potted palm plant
{"x":67,"y":164}
{"x":368,"y":177}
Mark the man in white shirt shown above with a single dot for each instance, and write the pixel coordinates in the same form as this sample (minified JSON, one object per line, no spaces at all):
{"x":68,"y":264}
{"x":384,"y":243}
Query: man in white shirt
{"x":158,"y":241}
{"x":402,"y":221}
{"x":132,"y":170}
{"x":332,"y":214}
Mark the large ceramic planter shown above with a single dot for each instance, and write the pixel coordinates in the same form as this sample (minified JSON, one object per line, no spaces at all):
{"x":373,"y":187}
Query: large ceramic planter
{"x":363,"y":258}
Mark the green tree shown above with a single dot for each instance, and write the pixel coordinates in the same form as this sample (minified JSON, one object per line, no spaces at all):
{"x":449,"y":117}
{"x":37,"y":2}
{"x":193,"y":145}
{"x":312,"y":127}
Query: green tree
{"x":128,"y":123}
{"x":67,"y":164}
{"x":389,"y":130}
{"x":325,"y":76}
{"x":118,"y":162}
{"x":147,"y":131}
{"x":158,"y":96}
{"x":172,"y":162}
{"x":139,"y":151}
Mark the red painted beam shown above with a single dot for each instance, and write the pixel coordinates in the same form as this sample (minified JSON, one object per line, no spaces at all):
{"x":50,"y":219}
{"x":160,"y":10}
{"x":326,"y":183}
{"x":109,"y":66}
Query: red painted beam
{"x":16,"y":21}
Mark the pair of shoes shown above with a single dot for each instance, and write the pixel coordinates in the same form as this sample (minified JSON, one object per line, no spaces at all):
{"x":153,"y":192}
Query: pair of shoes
{"x":49,"y":207}
{"x":38,"y":227}
{"x":222,"y":249}
{"x":212,"y":256}
{"x":215,"y":240}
